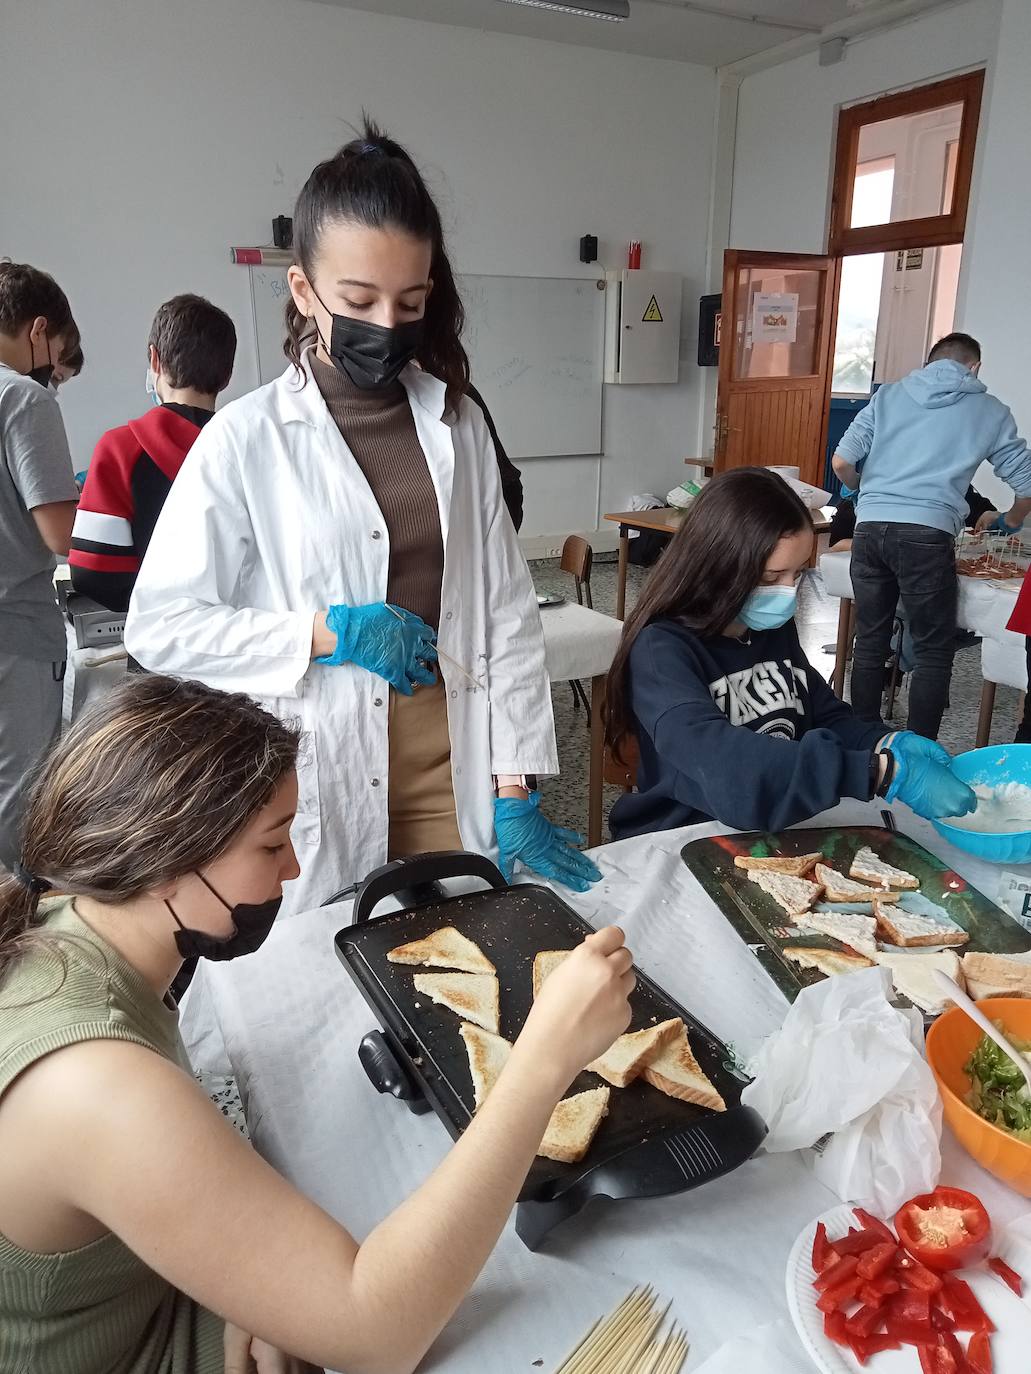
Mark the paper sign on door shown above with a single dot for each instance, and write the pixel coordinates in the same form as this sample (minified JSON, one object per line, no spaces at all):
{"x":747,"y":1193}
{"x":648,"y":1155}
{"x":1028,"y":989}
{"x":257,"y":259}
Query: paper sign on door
{"x":775,"y":317}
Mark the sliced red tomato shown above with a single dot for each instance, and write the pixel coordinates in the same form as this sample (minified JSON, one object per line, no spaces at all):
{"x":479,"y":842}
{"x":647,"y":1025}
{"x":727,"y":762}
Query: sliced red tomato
{"x":838,"y":1272}
{"x":877,"y":1261}
{"x":834,"y":1298}
{"x":942,"y":1356}
{"x":908,"y":1318}
{"x":871,"y":1223}
{"x":858,"y":1242}
{"x":834,"y":1328}
{"x":1000,"y":1268}
{"x":873,"y":1293}
{"x":824,"y":1255}
{"x":864,"y":1321}
{"x":958,"y":1300}
{"x":946,"y":1229}
{"x":912,"y":1274}
{"x":979,"y":1353}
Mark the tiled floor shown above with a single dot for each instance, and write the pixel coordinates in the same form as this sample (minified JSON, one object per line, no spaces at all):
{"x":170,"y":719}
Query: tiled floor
{"x":565,"y":798}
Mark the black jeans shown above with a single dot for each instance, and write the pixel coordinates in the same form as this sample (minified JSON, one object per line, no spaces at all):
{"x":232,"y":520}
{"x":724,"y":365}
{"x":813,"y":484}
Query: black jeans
{"x":918,"y":564}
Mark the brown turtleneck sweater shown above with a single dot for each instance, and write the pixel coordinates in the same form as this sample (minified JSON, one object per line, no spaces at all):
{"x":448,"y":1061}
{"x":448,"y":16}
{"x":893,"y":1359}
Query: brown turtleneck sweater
{"x":379,"y":429}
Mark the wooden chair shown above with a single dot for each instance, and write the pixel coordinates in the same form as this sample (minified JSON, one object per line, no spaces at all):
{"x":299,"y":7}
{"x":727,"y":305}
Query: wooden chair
{"x":621,"y":774}
{"x":577,"y":558}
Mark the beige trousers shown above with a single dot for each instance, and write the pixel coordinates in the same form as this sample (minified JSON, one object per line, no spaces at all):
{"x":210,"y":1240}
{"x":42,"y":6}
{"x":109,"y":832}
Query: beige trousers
{"x":421,"y":800}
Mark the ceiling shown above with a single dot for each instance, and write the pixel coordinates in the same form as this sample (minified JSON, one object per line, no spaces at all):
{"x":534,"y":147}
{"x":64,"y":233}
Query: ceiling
{"x":713,"y":33}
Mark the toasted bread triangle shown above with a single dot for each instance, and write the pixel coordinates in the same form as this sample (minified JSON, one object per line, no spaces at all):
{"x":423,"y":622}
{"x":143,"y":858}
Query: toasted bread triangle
{"x":544,"y":965}
{"x":796,"y":866}
{"x":444,"y":948}
{"x":472,"y":996}
{"x":870,"y":868}
{"x":676,"y":1072}
{"x":827,"y":961}
{"x":623,"y":1061}
{"x":573,"y":1125}
{"x":488,"y":1055}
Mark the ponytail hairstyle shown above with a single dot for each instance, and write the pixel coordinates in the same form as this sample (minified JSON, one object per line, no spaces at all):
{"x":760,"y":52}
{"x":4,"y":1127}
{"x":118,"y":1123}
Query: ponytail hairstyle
{"x":712,"y":564}
{"x":373,"y":182}
{"x":155,"y":781}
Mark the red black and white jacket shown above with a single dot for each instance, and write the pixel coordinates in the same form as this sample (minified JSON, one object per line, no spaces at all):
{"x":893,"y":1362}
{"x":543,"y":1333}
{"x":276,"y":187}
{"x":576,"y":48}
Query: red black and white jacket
{"x":131,"y":472}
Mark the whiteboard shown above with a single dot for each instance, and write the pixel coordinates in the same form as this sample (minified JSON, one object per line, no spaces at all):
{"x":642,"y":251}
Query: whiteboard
{"x":535,"y":352}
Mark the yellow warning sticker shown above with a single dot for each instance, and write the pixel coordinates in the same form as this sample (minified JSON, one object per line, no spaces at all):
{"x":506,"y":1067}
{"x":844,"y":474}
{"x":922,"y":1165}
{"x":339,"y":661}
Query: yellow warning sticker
{"x":653,"y":315}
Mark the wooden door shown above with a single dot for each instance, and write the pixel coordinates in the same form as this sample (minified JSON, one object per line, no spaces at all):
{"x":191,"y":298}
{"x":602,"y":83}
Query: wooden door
{"x":776,"y":344}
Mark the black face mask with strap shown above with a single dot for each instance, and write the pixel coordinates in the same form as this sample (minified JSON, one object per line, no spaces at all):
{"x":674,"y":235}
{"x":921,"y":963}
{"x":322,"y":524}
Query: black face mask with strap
{"x":372,"y":355}
{"x":45,"y":371}
{"x":252,"y":922}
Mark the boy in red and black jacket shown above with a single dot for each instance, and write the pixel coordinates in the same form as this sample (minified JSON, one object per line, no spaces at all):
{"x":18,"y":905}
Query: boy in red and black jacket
{"x":192,"y":346}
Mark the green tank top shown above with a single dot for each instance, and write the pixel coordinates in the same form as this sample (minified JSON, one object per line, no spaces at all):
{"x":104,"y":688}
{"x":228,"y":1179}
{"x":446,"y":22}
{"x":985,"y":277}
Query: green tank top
{"x":100,"y":1309}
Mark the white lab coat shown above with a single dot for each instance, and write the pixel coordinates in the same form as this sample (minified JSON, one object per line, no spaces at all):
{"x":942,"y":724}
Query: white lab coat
{"x":271,"y":520}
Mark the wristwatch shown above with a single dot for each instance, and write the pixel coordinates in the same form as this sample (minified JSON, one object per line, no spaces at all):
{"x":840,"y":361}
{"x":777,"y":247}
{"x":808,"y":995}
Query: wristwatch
{"x":879,"y":785}
{"x":527,"y":781}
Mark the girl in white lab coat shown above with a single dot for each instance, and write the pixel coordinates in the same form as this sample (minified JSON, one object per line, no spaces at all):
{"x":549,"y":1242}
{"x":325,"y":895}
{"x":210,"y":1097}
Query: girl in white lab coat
{"x":337,"y":545}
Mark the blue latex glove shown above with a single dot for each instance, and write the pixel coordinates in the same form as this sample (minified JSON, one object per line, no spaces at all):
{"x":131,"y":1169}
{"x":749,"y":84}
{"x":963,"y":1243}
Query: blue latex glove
{"x":385,"y":640}
{"x":999,"y":525}
{"x":924,"y":779}
{"x":523,"y":833}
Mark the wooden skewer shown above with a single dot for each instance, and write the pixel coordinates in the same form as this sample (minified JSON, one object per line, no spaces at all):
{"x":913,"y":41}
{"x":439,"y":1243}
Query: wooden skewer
{"x":584,"y":1356}
{"x":627,"y":1341}
{"x":635,"y":1311}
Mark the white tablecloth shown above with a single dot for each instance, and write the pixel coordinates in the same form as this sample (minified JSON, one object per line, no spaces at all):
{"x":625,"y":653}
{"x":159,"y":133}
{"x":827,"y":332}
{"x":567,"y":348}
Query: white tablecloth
{"x":288,"y":1021}
{"x":984,"y":607}
{"x":578,"y":643}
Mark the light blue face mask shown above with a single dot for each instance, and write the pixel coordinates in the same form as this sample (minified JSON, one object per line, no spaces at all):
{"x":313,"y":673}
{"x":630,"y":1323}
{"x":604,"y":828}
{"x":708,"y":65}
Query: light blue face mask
{"x":768,"y":608}
{"x":152,"y":386}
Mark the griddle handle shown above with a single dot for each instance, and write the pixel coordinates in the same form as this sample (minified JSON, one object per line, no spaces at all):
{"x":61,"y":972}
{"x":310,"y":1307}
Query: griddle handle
{"x":423,"y":868}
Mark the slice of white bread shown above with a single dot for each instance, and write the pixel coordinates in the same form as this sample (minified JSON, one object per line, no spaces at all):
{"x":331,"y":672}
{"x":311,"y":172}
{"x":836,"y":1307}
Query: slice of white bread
{"x":573,"y":1125}
{"x":858,"y":932}
{"x":838,"y":888}
{"x":997,"y":975}
{"x":795,"y":867}
{"x":472,"y":996}
{"x":912,"y":972}
{"x":676,"y":1072}
{"x":488,"y":1055}
{"x":868,"y":868}
{"x":623,"y":1061}
{"x":827,"y":960}
{"x":896,"y":926}
{"x":544,"y":965}
{"x":793,"y":894}
{"x":445,"y":948}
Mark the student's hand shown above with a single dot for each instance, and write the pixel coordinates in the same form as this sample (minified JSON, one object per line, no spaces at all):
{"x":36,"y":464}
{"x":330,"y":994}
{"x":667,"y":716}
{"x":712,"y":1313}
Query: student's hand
{"x":525,"y":834}
{"x":582,"y":1007}
{"x":924,"y":779}
{"x":995,"y":522}
{"x":385,"y":640}
{"x":245,"y":1354}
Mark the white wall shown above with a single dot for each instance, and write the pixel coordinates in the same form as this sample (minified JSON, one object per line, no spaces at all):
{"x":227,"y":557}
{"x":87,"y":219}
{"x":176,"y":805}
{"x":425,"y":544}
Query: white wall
{"x":784,"y":152}
{"x":142,"y":139}
{"x":996,"y":263}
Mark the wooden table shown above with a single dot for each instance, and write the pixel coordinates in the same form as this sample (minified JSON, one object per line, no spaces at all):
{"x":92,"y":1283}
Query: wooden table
{"x":666,"y":520}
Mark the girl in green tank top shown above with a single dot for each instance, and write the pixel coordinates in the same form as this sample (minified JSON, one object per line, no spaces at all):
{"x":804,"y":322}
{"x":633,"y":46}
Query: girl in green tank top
{"x":139,"y":1233}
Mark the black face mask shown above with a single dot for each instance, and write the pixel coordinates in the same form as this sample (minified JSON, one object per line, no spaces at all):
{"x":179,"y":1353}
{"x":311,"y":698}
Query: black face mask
{"x":253,"y":921}
{"x":45,"y":371}
{"x":370,"y":354}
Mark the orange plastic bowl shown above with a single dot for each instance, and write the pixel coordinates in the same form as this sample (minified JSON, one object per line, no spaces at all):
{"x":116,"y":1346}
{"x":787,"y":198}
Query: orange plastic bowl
{"x":950,"y":1042}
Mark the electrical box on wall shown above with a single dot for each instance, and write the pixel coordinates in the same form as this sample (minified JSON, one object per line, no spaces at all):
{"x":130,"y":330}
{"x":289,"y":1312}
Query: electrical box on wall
{"x":642,"y":326}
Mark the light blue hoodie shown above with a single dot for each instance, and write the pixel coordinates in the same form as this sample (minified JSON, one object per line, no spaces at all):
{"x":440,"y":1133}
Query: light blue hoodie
{"x":920,"y":441}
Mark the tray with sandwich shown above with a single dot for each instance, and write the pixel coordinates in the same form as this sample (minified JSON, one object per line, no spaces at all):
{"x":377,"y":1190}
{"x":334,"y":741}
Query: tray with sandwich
{"x":451,"y":981}
{"x":814,"y":903}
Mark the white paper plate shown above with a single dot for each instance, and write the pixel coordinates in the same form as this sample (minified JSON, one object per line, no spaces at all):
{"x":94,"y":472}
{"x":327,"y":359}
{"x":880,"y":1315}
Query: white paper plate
{"x":1011,"y":1342}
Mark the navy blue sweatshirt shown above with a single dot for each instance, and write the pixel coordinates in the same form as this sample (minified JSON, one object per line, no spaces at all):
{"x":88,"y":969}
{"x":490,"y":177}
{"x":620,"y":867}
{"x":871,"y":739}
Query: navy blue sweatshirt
{"x":743,"y":732}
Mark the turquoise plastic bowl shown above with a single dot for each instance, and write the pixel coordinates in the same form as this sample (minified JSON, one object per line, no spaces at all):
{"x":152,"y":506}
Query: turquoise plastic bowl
{"x":998,"y":764}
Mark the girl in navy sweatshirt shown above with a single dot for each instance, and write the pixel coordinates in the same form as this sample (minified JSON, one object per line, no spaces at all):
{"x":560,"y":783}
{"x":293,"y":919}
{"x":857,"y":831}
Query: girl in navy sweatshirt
{"x":732,"y":721}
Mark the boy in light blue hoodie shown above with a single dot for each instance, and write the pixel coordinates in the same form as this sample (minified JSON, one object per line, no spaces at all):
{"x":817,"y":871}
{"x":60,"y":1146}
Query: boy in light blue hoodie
{"x":912,"y":453}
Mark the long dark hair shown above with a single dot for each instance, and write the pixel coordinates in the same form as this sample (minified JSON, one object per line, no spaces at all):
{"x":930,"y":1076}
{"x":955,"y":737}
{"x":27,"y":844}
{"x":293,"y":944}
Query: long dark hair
{"x":156,"y":780}
{"x":714,"y":561}
{"x":372,"y":181}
